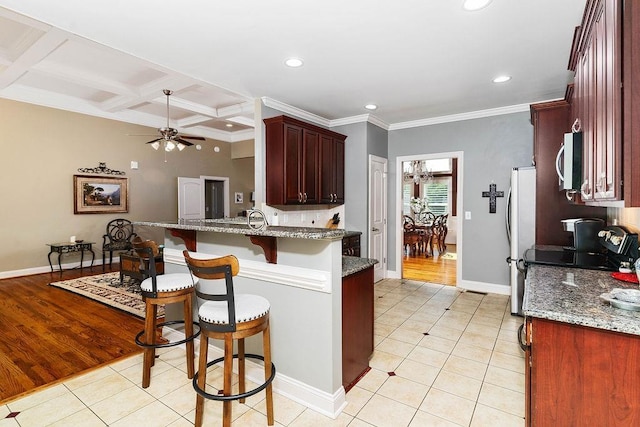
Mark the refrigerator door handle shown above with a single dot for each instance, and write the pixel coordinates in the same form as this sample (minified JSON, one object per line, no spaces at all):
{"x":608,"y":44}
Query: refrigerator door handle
{"x":508,"y":215}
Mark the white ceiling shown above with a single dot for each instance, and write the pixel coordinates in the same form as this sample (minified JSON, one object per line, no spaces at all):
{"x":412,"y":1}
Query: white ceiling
{"x":418,"y":60}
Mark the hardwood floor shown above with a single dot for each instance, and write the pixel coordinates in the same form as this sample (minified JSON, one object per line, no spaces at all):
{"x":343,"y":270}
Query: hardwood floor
{"x":433,"y":269}
{"x":48,"y":334}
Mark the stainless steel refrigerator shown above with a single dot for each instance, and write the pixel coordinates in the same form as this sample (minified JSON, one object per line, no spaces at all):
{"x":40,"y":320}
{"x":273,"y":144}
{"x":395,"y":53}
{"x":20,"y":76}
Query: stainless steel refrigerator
{"x":521,"y":228}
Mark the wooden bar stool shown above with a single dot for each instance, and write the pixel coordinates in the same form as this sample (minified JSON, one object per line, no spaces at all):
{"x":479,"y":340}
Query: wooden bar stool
{"x":228,"y":317}
{"x":158,"y":290}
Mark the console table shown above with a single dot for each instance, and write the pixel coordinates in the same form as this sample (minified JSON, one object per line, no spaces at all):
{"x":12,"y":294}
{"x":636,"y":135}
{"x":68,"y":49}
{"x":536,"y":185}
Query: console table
{"x":68,"y":247}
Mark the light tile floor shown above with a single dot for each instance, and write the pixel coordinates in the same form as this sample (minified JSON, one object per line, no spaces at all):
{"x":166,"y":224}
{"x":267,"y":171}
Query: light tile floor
{"x":443,"y":358}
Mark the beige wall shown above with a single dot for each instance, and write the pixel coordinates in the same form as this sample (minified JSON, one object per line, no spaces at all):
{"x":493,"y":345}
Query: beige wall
{"x":41,"y":150}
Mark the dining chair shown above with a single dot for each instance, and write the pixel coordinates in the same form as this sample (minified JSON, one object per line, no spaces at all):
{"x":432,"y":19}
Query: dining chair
{"x":118,"y":237}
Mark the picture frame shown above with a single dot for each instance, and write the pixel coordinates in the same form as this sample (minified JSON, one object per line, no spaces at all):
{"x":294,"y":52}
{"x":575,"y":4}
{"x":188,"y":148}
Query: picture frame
{"x":239,"y":197}
{"x":100,"y":194}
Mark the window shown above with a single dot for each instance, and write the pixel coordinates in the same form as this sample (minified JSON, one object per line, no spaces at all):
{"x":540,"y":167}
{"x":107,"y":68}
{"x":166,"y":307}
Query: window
{"x":407,"y":193}
{"x":437,"y":191}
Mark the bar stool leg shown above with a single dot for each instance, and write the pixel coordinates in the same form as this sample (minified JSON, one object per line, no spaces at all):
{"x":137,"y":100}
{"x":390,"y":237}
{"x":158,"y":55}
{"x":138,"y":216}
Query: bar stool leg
{"x":241,"y":371}
{"x":188,"y":331}
{"x":266,"y":348}
{"x":149,"y":338}
{"x":202,"y":377}
{"x":228,"y":375}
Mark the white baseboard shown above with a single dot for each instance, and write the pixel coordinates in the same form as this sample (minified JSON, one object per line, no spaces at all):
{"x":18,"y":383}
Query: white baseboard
{"x":45,"y":269}
{"x":489,"y":288}
{"x":325,"y":403}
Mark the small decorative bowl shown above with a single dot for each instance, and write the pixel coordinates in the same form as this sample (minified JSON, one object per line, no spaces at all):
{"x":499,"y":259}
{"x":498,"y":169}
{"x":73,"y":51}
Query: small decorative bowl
{"x":79,"y":240}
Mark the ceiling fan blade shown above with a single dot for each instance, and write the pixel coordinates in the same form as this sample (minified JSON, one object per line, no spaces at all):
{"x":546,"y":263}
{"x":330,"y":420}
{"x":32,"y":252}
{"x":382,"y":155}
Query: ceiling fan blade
{"x":198,"y":138}
{"x":140,"y":134}
{"x":182,"y":141}
{"x":157,"y":139}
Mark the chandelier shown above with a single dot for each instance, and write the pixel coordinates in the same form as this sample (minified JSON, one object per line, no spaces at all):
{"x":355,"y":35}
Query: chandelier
{"x":417,"y":171}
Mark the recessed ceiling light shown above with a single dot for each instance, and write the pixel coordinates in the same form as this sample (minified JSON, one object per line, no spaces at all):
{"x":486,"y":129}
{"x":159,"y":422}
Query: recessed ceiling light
{"x":472,"y":5}
{"x":502,"y":79}
{"x":371,"y":106}
{"x":294,"y":62}
{"x":229,"y":125}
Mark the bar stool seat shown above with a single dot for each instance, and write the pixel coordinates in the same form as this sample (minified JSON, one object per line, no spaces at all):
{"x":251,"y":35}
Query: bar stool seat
{"x":168,"y":283}
{"x":160,"y":290}
{"x":228,"y":317}
{"x":248,"y":307}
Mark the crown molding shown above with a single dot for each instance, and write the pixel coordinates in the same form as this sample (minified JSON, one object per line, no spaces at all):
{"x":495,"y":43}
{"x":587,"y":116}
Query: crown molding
{"x":462,"y":116}
{"x":360,"y":119}
{"x":295,"y":111}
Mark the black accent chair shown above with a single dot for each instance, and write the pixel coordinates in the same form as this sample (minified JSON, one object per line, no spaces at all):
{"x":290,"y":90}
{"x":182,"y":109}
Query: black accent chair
{"x":117,"y":238}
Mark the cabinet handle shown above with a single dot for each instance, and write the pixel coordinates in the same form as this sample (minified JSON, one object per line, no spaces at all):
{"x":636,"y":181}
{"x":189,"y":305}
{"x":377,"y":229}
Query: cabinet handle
{"x":523,"y":344}
{"x":300,"y":197}
{"x":304,"y":199}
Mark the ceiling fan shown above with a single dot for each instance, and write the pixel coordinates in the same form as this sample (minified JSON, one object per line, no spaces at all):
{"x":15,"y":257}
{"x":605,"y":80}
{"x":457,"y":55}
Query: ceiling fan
{"x":169,"y":137}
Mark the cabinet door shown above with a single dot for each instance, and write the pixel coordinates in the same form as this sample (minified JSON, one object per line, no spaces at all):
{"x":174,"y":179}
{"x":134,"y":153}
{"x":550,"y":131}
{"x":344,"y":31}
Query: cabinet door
{"x":293,"y":164}
{"x":338,"y":170}
{"x":583,"y":376}
{"x":587,"y":122}
{"x":327,"y":181}
{"x":310,"y":161}
{"x":331,"y":170}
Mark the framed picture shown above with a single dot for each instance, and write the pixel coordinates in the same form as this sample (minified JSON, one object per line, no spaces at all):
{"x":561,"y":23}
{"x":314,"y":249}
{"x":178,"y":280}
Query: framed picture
{"x":100,"y":194}
{"x":239,"y":197}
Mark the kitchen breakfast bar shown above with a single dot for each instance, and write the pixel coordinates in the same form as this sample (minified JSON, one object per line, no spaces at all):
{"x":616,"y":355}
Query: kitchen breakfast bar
{"x":318,"y":297}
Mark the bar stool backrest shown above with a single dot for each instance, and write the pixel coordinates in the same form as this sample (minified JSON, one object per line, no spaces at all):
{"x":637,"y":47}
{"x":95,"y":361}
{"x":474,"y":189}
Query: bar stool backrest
{"x":214,"y":269}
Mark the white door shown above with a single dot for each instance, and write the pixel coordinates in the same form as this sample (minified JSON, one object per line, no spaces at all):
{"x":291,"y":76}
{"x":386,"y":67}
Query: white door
{"x":190,"y":198}
{"x":378,"y":215}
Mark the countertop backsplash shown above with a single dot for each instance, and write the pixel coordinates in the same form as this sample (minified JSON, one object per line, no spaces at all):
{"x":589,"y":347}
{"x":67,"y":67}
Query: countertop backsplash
{"x":302,"y":216}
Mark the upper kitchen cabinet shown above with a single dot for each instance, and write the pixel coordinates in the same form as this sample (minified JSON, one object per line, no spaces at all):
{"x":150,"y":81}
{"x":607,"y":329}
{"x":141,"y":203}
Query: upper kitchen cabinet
{"x":602,"y":91}
{"x":304,"y":163}
{"x":332,"y":169}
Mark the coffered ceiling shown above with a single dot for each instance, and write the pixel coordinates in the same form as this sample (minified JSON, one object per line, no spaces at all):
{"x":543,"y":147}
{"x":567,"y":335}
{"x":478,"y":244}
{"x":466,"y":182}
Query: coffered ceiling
{"x":417,"y":60}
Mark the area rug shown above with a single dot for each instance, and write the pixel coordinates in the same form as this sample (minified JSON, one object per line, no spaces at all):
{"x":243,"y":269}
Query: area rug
{"x":449,"y":255}
{"x":106,"y":288}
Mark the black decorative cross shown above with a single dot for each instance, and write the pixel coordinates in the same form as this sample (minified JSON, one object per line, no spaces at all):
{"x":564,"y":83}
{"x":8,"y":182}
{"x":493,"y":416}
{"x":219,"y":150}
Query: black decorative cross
{"x":492,"y":194}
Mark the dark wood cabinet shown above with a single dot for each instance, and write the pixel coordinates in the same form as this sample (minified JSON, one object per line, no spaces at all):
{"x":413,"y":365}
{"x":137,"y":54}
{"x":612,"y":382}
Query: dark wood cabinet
{"x":606,"y":57}
{"x":304,"y":163}
{"x":597,"y":100}
{"x":357,"y":325}
{"x":551,"y":120}
{"x":332,"y":172}
{"x":351,"y":245}
{"x":579,"y":376}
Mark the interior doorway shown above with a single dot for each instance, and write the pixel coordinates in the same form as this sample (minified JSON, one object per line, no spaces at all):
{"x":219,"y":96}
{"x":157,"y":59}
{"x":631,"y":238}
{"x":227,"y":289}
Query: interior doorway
{"x":429,"y":202}
{"x":213,"y":199}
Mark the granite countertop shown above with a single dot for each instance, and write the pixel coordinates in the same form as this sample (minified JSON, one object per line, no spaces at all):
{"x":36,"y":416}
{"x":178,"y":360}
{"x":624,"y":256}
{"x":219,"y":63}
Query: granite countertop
{"x":241,"y":227}
{"x":352,"y":264}
{"x":572,"y":295}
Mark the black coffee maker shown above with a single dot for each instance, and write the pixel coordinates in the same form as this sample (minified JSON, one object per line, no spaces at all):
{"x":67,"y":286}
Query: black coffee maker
{"x":585,"y":235}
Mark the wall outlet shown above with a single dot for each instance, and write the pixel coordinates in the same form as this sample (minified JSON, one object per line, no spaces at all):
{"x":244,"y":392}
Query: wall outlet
{"x":134,"y":164}
{"x":467,"y":215}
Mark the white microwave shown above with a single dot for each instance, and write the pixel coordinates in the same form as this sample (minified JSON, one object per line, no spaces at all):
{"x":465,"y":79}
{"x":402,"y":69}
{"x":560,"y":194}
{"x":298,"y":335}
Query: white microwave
{"x":569,"y":162}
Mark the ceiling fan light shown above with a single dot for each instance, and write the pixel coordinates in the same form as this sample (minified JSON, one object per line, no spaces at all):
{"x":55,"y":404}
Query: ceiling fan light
{"x":181,"y":146}
{"x":155,"y":145}
{"x":169,"y":146}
